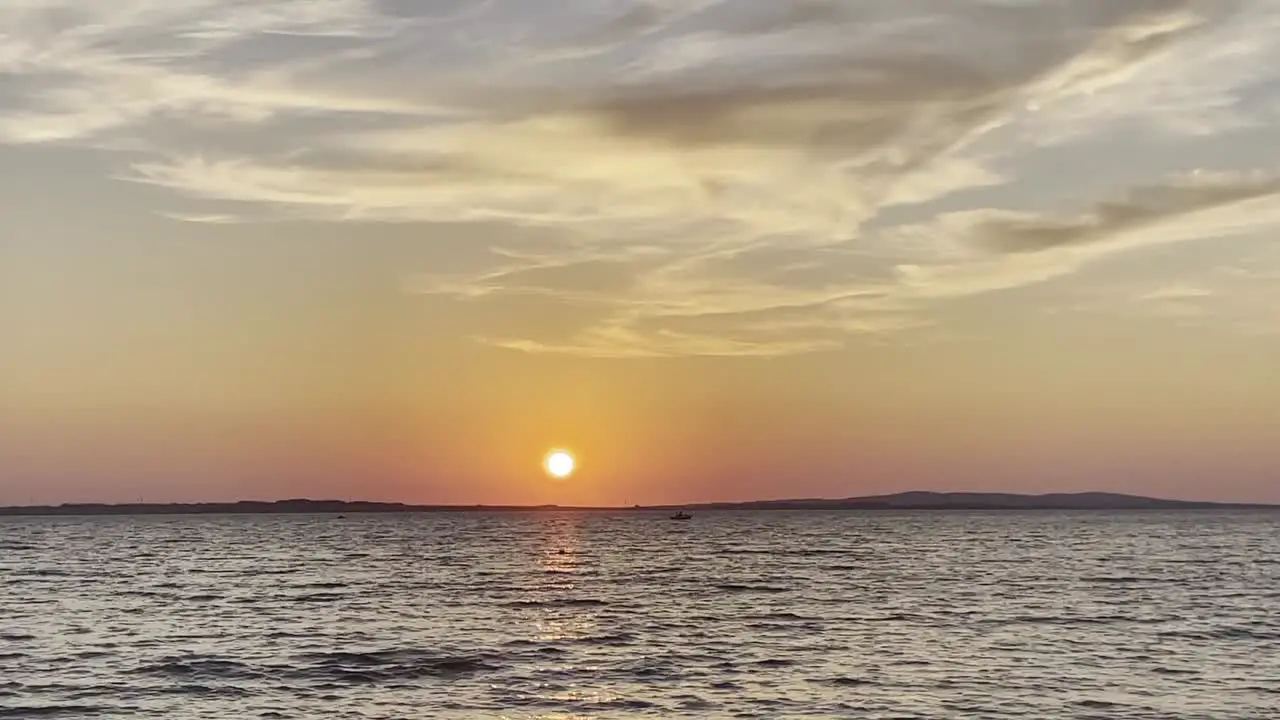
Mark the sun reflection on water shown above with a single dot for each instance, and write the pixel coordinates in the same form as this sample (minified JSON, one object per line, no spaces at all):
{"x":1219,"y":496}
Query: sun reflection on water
{"x":562,"y":614}
{"x":561,"y":546}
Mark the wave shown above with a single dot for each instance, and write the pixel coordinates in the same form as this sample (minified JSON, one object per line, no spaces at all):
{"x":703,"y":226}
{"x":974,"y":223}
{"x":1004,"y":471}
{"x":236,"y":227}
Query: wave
{"x":896,"y":617}
{"x":844,"y":682}
{"x":693,"y":702}
{"x":620,"y":638}
{"x":1174,"y":671}
{"x":745,"y":588}
{"x":1221,"y":634}
{"x":550,"y":648}
{"x":78,"y":712}
{"x":725,"y":685}
{"x":46,"y":573}
{"x":626,"y":704}
{"x":1098,"y":704}
{"x":815,"y":552}
{"x":200,"y":690}
{"x":320,"y":597}
{"x":1122,"y":580}
{"x":564,"y":602}
{"x":382,"y":666}
{"x":145,"y":594}
{"x":789,"y":616}
{"x":200,"y":668}
{"x":1063,"y":620}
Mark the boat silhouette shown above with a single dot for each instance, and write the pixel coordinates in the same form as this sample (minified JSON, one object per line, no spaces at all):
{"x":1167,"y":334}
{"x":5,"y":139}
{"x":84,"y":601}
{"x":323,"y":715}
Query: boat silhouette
{"x":681,"y":515}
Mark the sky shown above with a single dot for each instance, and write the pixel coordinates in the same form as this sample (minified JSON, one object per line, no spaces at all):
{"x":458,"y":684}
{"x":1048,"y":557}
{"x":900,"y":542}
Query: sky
{"x":719,"y":249}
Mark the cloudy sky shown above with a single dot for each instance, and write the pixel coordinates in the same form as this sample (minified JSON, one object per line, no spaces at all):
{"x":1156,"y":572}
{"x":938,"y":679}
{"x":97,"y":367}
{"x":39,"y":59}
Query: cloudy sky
{"x":396,"y":249}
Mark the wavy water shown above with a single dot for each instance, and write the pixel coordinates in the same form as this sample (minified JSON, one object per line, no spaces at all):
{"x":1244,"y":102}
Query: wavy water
{"x":629,"y":615}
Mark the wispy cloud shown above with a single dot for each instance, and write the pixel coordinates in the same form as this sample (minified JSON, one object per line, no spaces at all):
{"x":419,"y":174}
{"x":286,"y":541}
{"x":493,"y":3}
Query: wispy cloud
{"x":1143,"y":209}
{"x":728,"y":176}
{"x":1025,"y":249}
{"x":85,"y":69}
{"x":1176,"y":293}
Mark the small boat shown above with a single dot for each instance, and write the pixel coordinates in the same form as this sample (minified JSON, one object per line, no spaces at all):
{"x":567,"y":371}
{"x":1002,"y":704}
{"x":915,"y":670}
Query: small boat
{"x":682,"y":515}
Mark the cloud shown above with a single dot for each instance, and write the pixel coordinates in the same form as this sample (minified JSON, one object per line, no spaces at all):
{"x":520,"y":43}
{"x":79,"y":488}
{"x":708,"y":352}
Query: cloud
{"x":1176,"y":302}
{"x":620,"y":342}
{"x":671,"y":145}
{"x":208,"y":218}
{"x":1226,"y":299}
{"x":92,"y":69}
{"x":1033,"y":249}
{"x":1176,"y":293}
{"x":1142,"y":208}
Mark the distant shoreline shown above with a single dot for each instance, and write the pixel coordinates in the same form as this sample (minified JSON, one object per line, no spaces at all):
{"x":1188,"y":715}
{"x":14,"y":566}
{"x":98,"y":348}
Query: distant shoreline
{"x":900,"y":501}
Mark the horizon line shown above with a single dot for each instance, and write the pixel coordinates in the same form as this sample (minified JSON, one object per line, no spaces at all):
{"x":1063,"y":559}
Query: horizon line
{"x":948,"y":500}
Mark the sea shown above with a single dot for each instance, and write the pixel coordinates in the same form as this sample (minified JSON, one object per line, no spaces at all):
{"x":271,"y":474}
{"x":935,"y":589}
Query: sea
{"x":612,"y":615}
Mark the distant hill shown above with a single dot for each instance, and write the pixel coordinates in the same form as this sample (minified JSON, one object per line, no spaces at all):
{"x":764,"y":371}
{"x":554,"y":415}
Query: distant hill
{"x":244,"y":507}
{"x":920,"y":500}
{"x":899,"y":501}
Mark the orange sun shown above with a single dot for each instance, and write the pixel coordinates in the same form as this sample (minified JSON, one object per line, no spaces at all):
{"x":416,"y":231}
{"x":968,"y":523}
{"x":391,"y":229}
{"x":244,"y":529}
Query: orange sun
{"x":559,"y":464}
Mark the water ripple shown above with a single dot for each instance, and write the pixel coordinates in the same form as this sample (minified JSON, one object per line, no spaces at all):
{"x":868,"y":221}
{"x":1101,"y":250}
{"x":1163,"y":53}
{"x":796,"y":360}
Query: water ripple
{"x":1122,"y":616}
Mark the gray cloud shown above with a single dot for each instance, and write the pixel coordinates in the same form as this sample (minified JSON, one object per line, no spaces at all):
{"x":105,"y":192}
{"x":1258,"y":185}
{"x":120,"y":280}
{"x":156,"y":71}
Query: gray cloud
{"x":1143,"y":207}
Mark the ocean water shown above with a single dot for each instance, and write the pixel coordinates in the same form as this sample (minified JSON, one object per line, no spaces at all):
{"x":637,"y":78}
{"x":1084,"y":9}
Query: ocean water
{"x":631,"y":615}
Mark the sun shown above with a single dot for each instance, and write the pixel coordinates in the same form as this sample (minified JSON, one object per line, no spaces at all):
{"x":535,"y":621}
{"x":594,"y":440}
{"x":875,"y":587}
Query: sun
{"x":559,"y":464}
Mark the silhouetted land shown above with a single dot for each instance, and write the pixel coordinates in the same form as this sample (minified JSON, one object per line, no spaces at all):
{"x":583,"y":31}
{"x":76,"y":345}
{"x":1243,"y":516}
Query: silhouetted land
{"x":899,"y":501}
